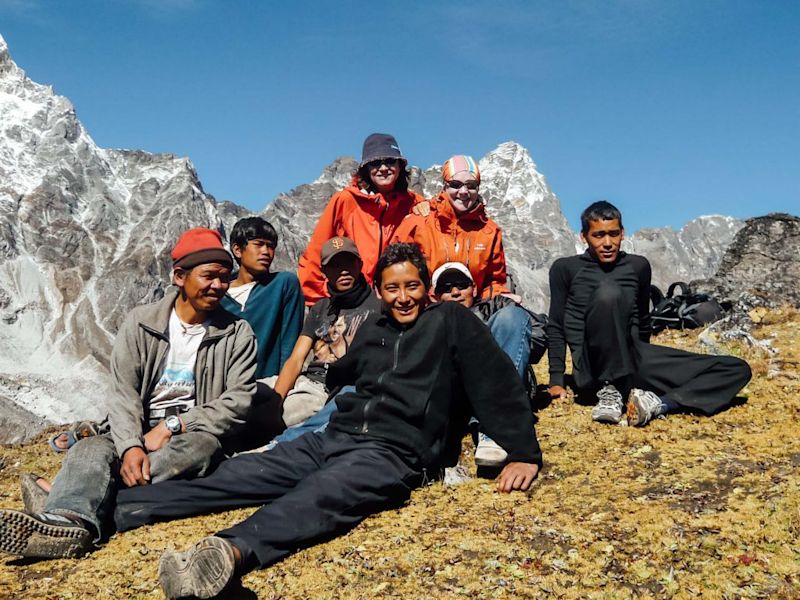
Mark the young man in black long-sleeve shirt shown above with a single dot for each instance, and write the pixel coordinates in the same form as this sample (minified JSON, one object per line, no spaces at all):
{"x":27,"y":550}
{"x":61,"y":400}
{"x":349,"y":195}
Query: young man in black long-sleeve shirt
{"x":599,"y":307}
{"x":419,"y":372}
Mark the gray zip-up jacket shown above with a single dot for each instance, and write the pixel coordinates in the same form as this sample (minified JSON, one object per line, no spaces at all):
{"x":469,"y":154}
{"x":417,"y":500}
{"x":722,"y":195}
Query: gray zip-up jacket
{"x":224,"y":373}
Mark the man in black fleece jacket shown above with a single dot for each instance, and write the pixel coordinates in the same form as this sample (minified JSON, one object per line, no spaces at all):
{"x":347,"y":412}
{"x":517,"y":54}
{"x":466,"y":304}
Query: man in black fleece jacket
{"x":419,"y":372}
{"x":600,"y":308}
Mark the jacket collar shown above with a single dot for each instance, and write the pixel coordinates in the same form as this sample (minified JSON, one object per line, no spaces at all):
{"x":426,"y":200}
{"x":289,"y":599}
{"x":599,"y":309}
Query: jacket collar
{"x":155,"y":318}
{"x":447,"y":215}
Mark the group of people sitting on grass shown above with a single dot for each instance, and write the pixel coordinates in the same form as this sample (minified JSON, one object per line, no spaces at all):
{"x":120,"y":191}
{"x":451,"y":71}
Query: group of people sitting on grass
{"x":226,"y":397}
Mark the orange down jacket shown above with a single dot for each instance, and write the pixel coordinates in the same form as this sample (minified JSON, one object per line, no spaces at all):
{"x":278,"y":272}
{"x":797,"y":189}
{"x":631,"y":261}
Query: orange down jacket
{"x":473,"y":239}
{"x":368,"y":219}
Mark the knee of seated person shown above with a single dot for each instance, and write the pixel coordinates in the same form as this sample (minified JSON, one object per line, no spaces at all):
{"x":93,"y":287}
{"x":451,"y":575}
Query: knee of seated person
{"x":743,"y":369}
{"x":510,"y":316}
{"x":97,"y":447}
{"x":607,"y":294}
{"x":199,"y":442}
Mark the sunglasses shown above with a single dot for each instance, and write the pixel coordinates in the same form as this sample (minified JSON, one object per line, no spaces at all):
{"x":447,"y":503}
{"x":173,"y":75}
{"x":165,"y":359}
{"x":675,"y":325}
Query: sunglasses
{"x":375,"y":164}
{"x":446,"y":286}
{"x":455,"y":184}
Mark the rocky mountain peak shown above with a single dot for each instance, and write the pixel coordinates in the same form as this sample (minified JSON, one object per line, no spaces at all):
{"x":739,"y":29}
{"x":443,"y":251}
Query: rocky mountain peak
{"x":762,"y":261}
{"x":85,"y":235}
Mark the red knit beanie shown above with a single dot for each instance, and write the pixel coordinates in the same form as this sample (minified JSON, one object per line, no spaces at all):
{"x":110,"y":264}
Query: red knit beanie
{"x":199,"y":246}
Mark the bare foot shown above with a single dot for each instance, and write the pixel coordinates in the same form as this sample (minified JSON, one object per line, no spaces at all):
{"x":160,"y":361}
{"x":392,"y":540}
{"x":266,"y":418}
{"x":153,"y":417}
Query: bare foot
{"x":61,"y":441}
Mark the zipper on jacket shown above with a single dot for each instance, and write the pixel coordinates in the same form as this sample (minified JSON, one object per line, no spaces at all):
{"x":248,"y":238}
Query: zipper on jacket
{"x":365,"y":424}
{"x":380,"y":227}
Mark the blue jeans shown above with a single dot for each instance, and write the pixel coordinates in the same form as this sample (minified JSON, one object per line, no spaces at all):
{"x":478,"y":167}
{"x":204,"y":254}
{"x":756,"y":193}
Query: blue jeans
{"x":511,"y":327}
{"x":315,"y":423}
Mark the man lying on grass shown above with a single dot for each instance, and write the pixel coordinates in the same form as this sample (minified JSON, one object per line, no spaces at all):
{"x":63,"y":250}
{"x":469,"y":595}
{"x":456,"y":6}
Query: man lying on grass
{"x":599,"y":307}
{"x":419,"y":372}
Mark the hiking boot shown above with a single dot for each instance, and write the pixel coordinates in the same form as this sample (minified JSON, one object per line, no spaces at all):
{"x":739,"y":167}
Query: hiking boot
{"x":609,"y":405}
{"x":643,"y":406}
{"x":202,"y":571}
{"x":43,"y":535}
{"x":488,"y":453}
{"x":33,"y":496}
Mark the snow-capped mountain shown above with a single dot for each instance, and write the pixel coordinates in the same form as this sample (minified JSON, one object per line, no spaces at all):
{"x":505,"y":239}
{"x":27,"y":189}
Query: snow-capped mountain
{"x":85,"y":234}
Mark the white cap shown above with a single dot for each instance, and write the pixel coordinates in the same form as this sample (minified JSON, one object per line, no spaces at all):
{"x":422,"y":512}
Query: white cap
{"x":450,"y":266}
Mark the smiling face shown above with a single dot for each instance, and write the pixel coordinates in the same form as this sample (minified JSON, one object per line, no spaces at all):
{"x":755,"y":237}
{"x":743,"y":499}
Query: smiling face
{"x":402,"y":292}
{"x":604,"y":238}
{"x":203,"y":287}
{"x":342,"y":271}
{"x":384,"y":173}
{"x":462,"y":189}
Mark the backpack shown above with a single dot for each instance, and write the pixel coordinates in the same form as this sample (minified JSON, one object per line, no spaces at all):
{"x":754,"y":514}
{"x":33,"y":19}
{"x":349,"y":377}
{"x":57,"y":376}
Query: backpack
{"x":686,"y":310}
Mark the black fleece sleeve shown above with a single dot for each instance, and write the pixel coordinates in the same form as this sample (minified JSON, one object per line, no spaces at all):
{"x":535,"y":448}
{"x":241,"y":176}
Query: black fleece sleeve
{"x":643,"y":298}
{"x":493,"y":387}
{"x":556,"y":340}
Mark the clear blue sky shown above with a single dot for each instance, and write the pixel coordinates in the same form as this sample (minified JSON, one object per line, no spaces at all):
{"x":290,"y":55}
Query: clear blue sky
{"x":670,"y":109}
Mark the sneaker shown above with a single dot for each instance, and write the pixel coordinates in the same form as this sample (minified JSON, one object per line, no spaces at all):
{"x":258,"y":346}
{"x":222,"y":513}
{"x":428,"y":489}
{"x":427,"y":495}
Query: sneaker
{"x":609,"y":405}
{"x":488,"y":453}
{"x":202,"y":571}
{"x":643,"y":406}
{"x":43,"y":535}
{"x":33,"y":496}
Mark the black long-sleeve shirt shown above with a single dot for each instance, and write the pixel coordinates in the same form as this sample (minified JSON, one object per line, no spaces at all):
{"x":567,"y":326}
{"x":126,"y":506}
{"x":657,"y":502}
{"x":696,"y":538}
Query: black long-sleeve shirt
{"x":573,"y":280}
{"x":411,"y":382}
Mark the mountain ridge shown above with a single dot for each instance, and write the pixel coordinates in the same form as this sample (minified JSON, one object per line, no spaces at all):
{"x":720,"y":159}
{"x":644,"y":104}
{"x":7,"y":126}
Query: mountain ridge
{"x":85,"y":235}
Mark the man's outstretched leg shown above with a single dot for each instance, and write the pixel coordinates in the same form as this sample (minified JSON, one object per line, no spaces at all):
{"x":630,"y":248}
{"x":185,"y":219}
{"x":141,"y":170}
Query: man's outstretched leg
{"x":357,"y":478}
{"x":669,"y":379}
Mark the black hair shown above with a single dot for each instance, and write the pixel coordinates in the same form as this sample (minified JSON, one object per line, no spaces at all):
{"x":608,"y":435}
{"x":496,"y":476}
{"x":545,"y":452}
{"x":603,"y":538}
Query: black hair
{"x":364,"y":181}
{"x":400,"y":253}
{"x":251,"y":228}
{"x":599,"y":211}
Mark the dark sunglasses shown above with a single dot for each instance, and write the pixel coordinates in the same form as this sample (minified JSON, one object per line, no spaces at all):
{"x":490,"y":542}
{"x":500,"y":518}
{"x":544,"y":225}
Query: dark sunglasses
{"x":455,"y":184}
{"x":375,"y":164}
{"x":446,"y":286}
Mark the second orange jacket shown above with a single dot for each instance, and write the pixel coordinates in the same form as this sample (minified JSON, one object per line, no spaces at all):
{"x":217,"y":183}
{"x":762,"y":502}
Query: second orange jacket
{"x":473,"y":239}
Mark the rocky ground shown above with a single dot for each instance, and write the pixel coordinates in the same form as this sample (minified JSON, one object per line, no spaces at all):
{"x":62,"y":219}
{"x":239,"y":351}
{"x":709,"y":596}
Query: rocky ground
{"x":685,"y":507}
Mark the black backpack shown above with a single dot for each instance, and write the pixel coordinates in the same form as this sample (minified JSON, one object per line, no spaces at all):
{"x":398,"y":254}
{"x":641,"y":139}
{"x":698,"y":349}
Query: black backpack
{"x":686,"y":310}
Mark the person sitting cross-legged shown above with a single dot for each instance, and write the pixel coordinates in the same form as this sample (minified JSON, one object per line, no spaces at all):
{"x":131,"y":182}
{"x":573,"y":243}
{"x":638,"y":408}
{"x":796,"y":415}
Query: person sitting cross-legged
{"x":418,"y":371}
{"x":599,"y":307}
{"x":184,"y":371}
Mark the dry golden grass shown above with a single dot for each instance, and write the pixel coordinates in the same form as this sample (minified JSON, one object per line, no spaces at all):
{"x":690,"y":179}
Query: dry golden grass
{"x":685,"y":507}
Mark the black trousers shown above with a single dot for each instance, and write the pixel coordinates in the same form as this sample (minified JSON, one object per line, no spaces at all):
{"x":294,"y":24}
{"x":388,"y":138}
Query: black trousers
{"x":311,"y":488}
{"x":610,"y":354}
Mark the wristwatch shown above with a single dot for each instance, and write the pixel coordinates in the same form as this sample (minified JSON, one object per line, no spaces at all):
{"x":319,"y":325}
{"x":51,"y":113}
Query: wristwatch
{"x":173,"y":424}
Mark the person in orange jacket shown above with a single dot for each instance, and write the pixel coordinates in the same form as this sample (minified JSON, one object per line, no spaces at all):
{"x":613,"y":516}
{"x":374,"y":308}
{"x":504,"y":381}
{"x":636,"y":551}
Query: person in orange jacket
{"x":459,"y":230}
{"x":368,"y":212}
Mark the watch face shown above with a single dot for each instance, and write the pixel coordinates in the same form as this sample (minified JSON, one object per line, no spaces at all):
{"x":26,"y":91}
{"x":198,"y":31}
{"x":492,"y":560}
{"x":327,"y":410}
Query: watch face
{"x":173,"y":423}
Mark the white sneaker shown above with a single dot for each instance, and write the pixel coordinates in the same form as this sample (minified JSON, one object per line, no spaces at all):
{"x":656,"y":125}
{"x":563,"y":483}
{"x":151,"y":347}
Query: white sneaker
{"x":609,"y":405}
{"x":643,"y":406}
{"x":488,"y":453}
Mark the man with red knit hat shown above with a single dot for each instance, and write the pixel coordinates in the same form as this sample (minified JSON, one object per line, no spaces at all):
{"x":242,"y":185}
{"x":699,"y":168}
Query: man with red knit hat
{"x":184,"y":373}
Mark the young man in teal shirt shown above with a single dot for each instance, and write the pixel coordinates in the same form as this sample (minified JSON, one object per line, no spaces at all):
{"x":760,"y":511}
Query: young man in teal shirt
{"x":273,"y":305}
{"x":271,"y":302}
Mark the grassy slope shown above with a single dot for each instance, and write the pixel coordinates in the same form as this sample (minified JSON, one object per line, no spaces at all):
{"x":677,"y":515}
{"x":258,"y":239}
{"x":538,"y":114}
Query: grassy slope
{"x":684,"y":507}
